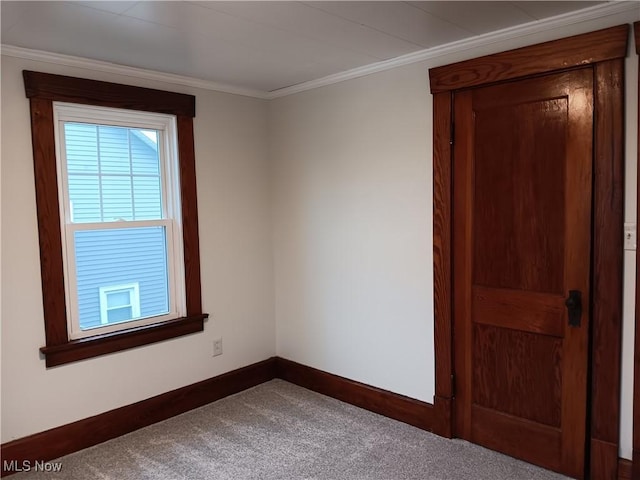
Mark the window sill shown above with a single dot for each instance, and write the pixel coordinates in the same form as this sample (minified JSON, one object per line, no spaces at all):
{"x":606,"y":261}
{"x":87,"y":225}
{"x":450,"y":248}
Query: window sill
{"x":90,"y":347}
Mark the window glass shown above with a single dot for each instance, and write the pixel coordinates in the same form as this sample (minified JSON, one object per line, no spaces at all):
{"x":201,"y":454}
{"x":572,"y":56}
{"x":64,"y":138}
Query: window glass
{"x":113,"y":173}
{"x":118,"y":183}
{"x":121,"y":256}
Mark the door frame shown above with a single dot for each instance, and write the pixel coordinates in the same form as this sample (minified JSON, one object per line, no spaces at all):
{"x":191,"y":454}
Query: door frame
{"x":603,"y":51}
{"x":636,"y":355}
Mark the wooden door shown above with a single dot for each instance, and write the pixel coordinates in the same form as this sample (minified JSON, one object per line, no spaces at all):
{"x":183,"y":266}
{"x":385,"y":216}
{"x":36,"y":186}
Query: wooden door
{"x":522,"y":198}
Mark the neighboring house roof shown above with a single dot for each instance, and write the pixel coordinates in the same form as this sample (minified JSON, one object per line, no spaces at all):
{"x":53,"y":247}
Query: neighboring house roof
{"x":145,"y":139}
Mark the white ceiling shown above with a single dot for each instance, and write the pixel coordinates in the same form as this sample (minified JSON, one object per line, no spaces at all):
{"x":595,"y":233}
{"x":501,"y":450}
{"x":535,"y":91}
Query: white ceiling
{"x":263,"y":46}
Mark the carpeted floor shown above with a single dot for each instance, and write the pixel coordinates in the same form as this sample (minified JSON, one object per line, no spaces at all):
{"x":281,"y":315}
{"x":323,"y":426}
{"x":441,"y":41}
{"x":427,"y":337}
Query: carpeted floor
{"x":280,"y":431}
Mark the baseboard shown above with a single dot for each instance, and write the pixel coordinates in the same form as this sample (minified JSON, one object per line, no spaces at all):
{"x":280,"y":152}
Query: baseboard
{"x":91,"y":431}
{"x":87,"y":432}
{"x":383,"y":402}
{"x":625,"y":469}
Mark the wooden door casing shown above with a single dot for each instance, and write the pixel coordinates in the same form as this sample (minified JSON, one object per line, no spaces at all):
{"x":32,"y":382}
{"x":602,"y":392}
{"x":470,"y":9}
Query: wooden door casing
{"x":521,"y":241}
{"x":636,"y":355}
{"x":603,"y":51}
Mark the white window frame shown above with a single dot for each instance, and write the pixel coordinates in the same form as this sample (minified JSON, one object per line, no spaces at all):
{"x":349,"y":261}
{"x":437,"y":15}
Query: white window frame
{"x":134,"y":300}
{"x":166,"y":127}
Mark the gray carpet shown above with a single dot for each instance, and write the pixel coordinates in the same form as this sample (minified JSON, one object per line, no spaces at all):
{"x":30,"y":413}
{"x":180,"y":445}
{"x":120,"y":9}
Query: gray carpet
{"x":280,"y":431}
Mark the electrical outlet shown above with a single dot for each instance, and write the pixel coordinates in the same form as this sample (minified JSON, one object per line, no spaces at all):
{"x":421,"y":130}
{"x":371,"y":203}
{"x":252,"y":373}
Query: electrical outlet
{"x":217,"y":347}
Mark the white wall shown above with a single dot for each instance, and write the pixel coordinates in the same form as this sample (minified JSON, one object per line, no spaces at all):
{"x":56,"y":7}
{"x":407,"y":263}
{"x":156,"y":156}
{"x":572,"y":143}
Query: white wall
{"x":236,"y":255}
{"x":352,"y":230}
{"x":352,"y":192}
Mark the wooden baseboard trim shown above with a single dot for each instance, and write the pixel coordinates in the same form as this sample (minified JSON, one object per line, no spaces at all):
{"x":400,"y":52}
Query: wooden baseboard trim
{"x":91,"y":431}
{"x":625,"y":469}
{"x":392,"y":405}
{"x":66,"y":439}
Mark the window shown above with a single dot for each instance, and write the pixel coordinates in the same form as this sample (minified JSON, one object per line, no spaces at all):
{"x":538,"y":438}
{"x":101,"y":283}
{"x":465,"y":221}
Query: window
{"x":118,"y":303}
{"x":120,"y":222}
{"x":117,"y":216}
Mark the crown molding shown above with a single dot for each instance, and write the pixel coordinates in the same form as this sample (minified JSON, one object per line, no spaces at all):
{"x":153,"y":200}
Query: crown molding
{"x":560,"y":21}
{"x":523,"y":30}
{"x":108,"y":67}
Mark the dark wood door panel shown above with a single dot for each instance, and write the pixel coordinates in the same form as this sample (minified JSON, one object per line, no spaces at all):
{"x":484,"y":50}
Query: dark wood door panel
{"x":524,"y":121}
{"x":525,"y":311}
{"x":518,"y":373}
{"x":520,"y":175}
{"x":522,"y":180}
{"x":504,"y":432}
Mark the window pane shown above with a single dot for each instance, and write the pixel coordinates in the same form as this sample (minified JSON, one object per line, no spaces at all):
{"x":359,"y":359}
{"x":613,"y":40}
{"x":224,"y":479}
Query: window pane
{"x":84,"y":195}
{"x":117,"y":202}
{"x":119,"y":315}
{"x":114,"y":149}
{"x":117,"y":257}
{"x":119,"y":299}
{"x":82,"y":147}
{"x":144,"y":152}
{"x":113,"y":173}
{"x":148,"y":205}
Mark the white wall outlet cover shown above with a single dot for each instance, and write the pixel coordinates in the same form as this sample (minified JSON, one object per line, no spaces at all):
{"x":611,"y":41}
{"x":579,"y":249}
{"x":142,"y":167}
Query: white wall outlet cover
{"x":217,"y":347}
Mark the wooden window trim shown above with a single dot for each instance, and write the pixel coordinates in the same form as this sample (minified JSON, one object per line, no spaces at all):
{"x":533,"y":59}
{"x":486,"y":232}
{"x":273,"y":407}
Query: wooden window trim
{"x":604,"y":52}
{"x":43,"y":89}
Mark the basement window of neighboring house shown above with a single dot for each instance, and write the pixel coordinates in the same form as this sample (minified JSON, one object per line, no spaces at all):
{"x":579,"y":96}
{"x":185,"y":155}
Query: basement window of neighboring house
{"x":115,"y":191}
{"x":119,"y":303}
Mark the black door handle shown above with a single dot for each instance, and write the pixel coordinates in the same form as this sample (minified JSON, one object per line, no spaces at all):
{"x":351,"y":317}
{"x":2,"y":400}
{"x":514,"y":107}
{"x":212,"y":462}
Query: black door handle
{"x":574,"y":307}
